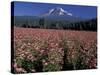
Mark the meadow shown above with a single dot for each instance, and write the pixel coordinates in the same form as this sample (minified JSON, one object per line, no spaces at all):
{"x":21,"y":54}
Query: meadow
{"x":44,"y":50}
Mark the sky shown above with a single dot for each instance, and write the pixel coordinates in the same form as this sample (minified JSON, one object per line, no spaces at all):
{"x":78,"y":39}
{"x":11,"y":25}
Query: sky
{"x":36,"y":9}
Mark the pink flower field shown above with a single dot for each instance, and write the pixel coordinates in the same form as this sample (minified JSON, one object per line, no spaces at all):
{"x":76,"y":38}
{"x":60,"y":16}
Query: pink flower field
{"x":43,"y":50}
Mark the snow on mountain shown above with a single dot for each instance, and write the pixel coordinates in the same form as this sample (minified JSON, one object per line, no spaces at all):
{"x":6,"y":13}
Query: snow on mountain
{"x":58,"y":11}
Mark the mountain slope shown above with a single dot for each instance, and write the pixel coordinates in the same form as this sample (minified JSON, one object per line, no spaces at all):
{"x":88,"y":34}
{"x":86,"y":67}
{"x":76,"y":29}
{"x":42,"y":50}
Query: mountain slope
{"x":59,"y":13}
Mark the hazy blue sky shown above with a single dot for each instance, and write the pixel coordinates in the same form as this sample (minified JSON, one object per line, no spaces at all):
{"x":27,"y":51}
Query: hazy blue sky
{"x":31,"y":9}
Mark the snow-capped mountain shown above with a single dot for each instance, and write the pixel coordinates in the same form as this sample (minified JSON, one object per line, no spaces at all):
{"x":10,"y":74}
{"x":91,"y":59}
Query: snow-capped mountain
{"x":54,"y":14}
{"x":58,"y":11}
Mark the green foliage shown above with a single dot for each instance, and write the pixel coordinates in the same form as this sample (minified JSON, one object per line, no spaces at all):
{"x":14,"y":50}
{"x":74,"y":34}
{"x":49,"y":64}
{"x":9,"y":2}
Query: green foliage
{"x":80,"y":58}
{"x":51,"y":67}
{"x":41,"y":23}
{"x":31,"y":22}
{"x":80,"y":64}
{"x":34,"y":52}
{"x":26,"y":64}
{"x":19,"y":61}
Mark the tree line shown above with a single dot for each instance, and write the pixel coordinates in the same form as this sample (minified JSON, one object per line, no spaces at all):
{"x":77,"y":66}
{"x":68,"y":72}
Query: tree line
{"x":89,"y":25}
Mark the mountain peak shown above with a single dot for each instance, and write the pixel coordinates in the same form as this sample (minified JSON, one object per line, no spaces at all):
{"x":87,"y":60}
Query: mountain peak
{"x":58,"y":11}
